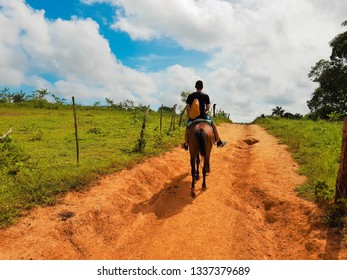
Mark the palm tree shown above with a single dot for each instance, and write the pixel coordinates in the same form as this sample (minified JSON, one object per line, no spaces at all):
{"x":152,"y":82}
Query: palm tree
{"x":278,"y":111}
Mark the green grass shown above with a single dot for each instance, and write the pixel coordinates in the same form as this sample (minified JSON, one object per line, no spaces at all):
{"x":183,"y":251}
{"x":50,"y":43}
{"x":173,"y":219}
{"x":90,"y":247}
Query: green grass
{"x":38,"y":160}
{"x":316,"y":147}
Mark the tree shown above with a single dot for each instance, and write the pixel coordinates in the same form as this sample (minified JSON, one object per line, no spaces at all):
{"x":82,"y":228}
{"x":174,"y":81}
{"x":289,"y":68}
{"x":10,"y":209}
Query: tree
{"x":127,"y":104}
{"x":109,"y":101}
{"x":165,"y":108}
{"x":40,"y":94}
{"x":339,"y":46}
{"x":19,"y":97}
{"x":5,"y":95}
{"x":58,"y":100}
{"x":331,"y":95}
{"x":184,"y":96}
{"x":278,"y":111}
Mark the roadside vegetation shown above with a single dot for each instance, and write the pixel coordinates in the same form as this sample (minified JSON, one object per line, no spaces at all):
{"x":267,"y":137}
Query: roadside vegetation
{"x":316,"y":146}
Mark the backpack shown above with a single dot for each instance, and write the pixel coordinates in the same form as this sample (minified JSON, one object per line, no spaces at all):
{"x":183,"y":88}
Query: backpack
{"x":194,"y":109}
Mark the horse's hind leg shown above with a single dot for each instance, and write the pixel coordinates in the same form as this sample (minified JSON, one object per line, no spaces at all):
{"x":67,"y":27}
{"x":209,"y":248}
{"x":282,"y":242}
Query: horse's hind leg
{"x":192,"y":164}
{"x":205,"y":169}
{"x":197,"y":175}
{"x":204,"y":177}
{"x":208,"y":169}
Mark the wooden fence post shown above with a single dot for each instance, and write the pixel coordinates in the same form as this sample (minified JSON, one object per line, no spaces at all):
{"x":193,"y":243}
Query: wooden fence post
{"x":174,"y":116}
{"x":341,"y":181}
{"x":172,"y":124}
{"x":76,"y":130}
{"x":141,"y":142}
{"x":2,"y":138}
{"x":161,"y":117}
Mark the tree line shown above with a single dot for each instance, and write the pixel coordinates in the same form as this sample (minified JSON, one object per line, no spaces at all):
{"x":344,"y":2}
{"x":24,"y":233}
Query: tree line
{"x":39,"y":99}
{"x":42,"y":98}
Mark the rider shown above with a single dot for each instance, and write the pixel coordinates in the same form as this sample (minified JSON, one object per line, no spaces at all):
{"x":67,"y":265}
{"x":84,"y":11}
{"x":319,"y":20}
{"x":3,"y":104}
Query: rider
{"x":205,"y":105}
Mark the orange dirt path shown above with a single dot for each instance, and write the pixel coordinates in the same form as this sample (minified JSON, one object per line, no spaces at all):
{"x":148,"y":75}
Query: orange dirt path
{"x":249,"y":211}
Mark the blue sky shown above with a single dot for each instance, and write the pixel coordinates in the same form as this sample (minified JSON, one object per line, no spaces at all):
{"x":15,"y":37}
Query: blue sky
{"x":163,"y":52}
{"x":253,"y":55}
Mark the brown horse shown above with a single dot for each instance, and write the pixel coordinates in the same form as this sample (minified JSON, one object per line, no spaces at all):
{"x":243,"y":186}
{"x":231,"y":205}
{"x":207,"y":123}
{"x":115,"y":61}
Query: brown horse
{"x":200,"y":139}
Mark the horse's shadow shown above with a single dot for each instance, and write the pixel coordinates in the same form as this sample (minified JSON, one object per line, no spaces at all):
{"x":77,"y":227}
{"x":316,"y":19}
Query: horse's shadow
{"x":169,"y":201}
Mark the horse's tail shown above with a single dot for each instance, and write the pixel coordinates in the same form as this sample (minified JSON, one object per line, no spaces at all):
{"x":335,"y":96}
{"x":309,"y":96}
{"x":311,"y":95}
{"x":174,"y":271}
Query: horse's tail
{"x":201,"y":135}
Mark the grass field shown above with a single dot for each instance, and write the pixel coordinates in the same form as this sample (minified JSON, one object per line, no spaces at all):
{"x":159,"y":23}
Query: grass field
{"x":38,"y":159}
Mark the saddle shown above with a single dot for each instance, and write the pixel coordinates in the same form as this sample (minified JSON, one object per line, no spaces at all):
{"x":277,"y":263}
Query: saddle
{"x":191,"y":122}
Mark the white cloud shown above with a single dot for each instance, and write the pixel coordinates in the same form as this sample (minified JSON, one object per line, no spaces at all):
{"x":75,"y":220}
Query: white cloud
{"x":260,"y":50}
{"x":172,"y":82}
{"x":186,"y":21}
{"x":136,"y":31}
{"x":73,"y":51}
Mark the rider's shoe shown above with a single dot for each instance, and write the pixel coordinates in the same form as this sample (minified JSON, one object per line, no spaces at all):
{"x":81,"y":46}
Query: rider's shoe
{"x":221,"y":143}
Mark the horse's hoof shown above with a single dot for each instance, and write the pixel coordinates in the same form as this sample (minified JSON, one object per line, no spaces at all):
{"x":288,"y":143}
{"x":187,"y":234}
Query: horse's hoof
{"x":197,"y":177}
{"x":192,"y":193}
{"x":204,"y":187}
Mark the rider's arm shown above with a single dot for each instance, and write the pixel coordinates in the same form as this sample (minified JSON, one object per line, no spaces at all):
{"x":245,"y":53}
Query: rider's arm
{"x":188,"y":109}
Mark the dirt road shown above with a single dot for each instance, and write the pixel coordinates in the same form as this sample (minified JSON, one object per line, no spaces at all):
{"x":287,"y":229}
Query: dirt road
{"x":249,"y":211}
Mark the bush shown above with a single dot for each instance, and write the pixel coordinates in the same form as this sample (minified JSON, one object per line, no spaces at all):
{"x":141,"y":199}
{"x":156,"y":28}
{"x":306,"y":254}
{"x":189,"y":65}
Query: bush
{"x":12,"y":158}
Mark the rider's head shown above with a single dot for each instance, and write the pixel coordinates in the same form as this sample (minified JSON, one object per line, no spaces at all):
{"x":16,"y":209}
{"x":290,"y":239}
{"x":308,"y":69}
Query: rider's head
{"x":199,"y":85}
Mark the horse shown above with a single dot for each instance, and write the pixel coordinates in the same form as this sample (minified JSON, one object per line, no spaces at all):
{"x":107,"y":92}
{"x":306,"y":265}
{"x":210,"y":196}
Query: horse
{"x":200,"y":141}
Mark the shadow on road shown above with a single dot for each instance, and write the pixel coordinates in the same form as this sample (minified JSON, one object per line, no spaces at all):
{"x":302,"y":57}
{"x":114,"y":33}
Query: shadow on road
{"x":170,"y":200}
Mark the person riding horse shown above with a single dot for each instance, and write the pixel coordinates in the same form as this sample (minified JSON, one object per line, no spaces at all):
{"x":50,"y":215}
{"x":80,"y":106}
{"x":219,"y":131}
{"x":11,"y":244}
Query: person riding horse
{"x":205,"y":105}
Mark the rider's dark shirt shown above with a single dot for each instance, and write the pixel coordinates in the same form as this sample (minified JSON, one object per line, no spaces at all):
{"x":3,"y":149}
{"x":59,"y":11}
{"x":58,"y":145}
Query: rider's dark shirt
{"x":203,"y":98}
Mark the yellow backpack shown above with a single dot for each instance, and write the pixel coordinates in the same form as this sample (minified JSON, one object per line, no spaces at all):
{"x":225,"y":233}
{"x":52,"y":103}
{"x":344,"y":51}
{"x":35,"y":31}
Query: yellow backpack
{"x":194,"y":109}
